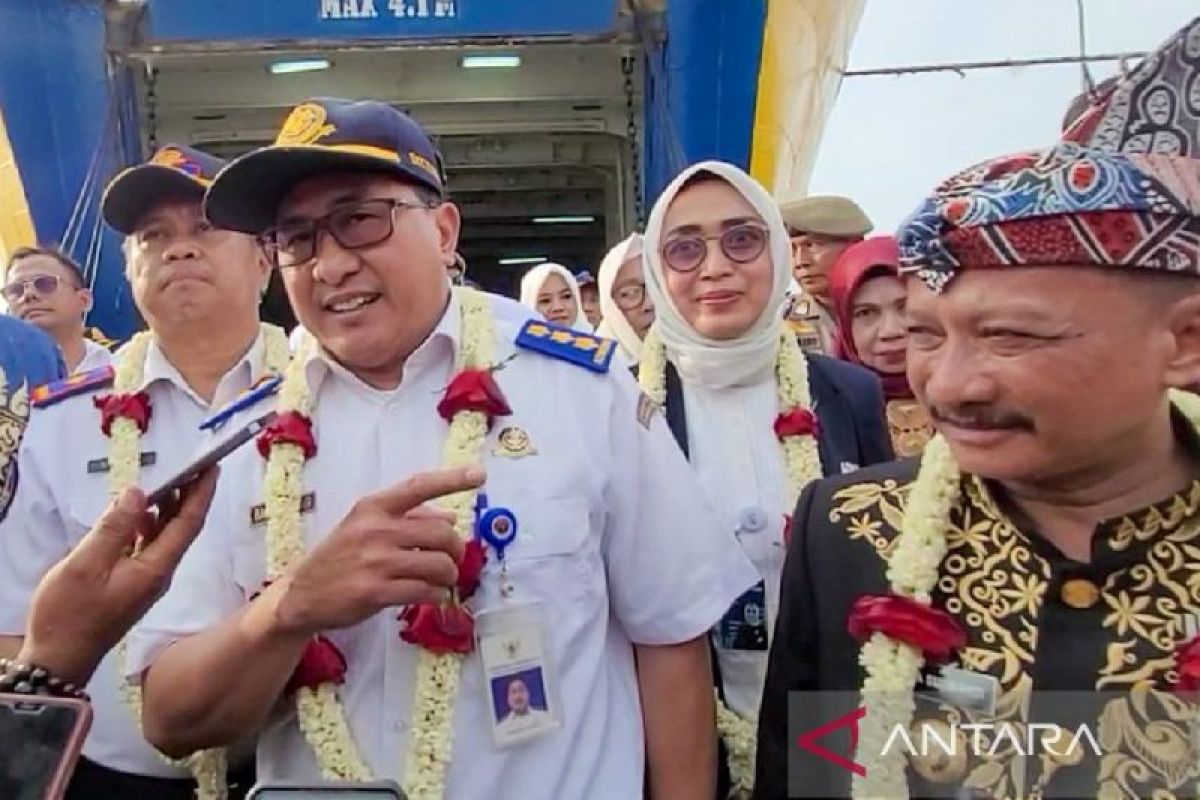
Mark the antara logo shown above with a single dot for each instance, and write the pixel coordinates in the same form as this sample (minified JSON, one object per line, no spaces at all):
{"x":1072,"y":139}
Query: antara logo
{"x":984,"y":739}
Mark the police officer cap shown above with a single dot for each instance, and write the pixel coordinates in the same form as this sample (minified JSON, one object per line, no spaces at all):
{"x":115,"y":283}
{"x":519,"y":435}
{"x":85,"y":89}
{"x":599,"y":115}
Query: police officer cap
{"x":828,"y":215}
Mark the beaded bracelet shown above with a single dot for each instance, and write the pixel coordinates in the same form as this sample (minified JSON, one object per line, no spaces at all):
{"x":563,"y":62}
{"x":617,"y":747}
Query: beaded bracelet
{"x":17,"y":678}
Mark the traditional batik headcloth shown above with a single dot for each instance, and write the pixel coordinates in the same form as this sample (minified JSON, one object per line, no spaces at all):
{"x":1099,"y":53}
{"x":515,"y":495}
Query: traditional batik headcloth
{"x":1122,"y":189}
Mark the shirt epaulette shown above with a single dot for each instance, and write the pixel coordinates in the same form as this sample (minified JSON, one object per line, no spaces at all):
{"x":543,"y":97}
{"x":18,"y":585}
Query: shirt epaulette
{"x":48,"y":394}
{"x":566,"y":344}
{"x":263,"y":388}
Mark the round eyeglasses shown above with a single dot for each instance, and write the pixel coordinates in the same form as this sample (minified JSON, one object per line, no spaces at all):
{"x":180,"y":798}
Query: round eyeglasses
{"x":740,"y":244}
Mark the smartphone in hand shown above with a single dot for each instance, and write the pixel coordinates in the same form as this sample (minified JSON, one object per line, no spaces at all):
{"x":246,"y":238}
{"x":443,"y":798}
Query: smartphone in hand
{"x":40,"y":740}
{"x":211,"y":456}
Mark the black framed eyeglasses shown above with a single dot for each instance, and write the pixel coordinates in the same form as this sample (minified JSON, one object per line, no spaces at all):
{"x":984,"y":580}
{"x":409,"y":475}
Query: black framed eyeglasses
{"x":629,"y":296}
{"x":42,"y":284}
{"x":741,"y":244}
{"x":353,"y":227}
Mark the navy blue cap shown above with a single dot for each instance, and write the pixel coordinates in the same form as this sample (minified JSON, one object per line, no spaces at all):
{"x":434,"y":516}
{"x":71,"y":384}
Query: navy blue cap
{"x":174,"y":172}
{"x":320,"y":136}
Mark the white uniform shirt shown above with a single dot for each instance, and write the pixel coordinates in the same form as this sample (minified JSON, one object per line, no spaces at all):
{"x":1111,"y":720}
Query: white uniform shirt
{"x":732,"y":446}
{"x":94,"y":357}
{"x":63,"y":489}
{"x":615,"y":541}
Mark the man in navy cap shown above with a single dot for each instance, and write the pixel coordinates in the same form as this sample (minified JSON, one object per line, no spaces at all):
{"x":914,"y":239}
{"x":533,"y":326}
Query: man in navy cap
{"x":97,"y":432}
{"x":376,"y":624}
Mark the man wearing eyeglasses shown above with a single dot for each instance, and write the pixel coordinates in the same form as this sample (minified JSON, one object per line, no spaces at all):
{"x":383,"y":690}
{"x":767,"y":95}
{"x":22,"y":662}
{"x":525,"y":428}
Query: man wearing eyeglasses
{"x":46,"y":288}
{"x":198,"y":287}
{"x":613,"y":553}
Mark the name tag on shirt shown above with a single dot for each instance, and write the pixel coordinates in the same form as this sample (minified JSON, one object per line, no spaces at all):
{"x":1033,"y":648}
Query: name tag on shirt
{"x":99,"y":466}
{"x":744,"y":626}
{"x":961,"y":688}
{"x":519,"y":679}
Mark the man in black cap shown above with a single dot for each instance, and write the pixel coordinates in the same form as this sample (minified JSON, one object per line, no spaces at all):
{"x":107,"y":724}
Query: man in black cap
{"x":98,"y":432}
{"x":381,"y":622}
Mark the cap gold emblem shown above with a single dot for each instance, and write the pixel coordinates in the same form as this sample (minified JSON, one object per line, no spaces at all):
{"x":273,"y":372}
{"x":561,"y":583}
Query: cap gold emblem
{"x":305,"y":125}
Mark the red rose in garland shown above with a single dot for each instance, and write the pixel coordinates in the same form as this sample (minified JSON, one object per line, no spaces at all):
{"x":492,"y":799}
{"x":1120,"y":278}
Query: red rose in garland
{"x":1187,"y":664}
{"x":291,"y":427}
{"x":932,"y":631}
{"x":321,"y":662}
{"x":440,"y":629}
{"x":470,"y":569}
{"x":797,"y":422}
{"x":474,"y":390}
{"x":134,"y":406}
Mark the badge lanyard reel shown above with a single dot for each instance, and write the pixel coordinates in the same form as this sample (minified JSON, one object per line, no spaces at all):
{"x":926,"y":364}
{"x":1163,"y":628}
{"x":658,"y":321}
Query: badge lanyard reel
{"x":744,"y":626}
{"x":518,"y":679}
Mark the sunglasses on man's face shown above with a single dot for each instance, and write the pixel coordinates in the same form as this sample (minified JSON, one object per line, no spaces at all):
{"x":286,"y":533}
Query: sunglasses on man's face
{"x":43,"y":285}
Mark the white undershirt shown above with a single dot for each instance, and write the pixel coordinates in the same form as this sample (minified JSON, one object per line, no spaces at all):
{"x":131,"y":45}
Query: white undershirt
{"x":733,"y":448}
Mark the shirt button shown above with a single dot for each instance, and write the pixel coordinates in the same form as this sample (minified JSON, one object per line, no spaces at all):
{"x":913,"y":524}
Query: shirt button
{"x":1080,"y":593}
{"x":752,"y":520}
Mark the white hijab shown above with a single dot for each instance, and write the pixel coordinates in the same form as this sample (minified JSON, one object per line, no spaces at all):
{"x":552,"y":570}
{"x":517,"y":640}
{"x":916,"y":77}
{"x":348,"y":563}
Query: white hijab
{"x":719,"y":363}
{"x":614,"y":325}
{"x":532,"y":282}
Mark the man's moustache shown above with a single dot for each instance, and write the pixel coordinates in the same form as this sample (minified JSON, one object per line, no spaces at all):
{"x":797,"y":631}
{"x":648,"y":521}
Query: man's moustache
{"x":982,"y":418}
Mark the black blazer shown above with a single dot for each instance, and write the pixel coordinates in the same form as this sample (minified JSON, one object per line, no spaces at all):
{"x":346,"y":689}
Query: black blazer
{"x":848,"y":401}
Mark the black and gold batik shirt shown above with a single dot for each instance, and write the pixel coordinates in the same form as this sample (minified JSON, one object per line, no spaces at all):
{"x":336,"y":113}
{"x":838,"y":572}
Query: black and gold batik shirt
{"x":1039,"y":623}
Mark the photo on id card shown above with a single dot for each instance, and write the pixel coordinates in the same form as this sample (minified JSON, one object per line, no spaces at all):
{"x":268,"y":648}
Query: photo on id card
{"x":518,"y":676}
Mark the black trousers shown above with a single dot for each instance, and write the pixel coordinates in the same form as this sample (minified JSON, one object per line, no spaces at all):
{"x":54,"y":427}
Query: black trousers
{"x":93,"y":781}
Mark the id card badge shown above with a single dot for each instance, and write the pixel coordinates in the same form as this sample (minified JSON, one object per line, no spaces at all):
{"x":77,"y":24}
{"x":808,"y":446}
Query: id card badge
{"x":522,"y":691}
{"x":744,"y":626}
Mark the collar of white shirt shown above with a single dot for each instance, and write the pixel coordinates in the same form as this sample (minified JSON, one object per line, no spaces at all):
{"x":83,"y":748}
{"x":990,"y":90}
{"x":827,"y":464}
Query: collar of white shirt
{"x":159,"y":368}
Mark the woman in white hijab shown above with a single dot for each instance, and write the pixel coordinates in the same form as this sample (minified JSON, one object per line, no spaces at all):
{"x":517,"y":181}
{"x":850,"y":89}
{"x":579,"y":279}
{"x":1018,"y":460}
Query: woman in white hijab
{"x":625,"y":307}
{"x":736,"y":389}
{"x":552,"y":291}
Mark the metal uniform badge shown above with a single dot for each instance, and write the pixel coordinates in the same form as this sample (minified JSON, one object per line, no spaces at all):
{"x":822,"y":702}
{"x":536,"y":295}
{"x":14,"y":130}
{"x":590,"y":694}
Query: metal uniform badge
{"x":258,"y":513}
{"x":514,"y":442}
{"x":99,"y":466}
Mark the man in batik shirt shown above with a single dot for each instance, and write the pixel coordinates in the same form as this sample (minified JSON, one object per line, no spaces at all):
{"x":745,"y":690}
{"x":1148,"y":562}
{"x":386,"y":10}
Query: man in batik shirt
{"x":1050,"y":539}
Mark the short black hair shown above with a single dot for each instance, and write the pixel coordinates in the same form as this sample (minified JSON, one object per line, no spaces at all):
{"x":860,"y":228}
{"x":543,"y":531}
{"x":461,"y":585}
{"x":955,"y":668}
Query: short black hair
{"x":68,"y":263}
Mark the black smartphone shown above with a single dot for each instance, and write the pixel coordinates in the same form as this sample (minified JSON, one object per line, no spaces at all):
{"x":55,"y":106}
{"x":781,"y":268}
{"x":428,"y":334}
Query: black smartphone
{"x":340,"y":790}
{"x":40,"y":740}
{"x":208,"y":458}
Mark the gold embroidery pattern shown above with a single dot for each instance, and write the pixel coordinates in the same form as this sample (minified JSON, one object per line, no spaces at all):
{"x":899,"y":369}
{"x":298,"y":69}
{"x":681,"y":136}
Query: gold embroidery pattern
{"x":14,"y":412}
{"x":991,"y":581}
{"x":1146,"y":736}
{"x":1156,"y":520}
{"x":909,"y":427}
{"x":996,"y":585}
{"x":873,"y":512}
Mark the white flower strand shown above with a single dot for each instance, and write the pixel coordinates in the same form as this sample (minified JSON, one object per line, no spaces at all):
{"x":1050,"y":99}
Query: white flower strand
{"x":208,"y":767}
{"x":802,"y":459}
{"x":321,"y":716}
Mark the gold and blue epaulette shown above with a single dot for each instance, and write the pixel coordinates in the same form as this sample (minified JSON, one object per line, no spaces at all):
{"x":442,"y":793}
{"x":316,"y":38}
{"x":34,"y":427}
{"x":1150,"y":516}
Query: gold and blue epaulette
{"x":263,"y":388}
{"x":48,"y":394}
{"x":566,"y":344}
